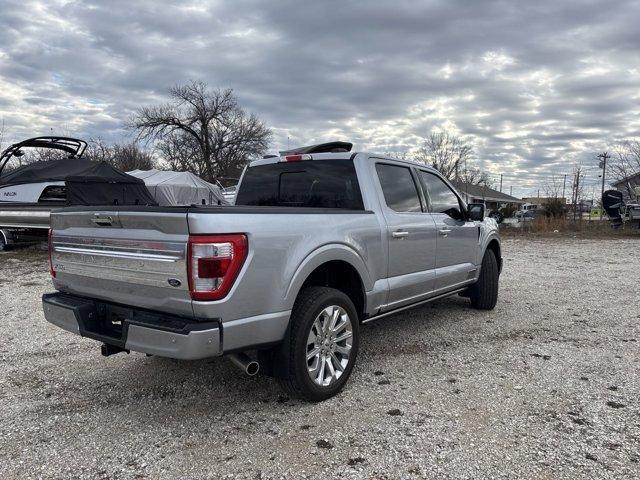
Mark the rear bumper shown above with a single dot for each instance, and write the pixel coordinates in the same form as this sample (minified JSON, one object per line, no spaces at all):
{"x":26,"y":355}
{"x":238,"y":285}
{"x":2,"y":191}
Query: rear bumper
{"x":131,"y":329}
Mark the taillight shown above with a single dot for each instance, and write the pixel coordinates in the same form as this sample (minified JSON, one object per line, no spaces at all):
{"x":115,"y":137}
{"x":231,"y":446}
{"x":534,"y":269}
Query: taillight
{"x":214,"y":262}
{"x":51,"y":270}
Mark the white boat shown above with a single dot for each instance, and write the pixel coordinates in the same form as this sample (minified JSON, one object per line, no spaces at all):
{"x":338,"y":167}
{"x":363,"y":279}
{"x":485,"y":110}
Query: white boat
{"x":30,"y":192}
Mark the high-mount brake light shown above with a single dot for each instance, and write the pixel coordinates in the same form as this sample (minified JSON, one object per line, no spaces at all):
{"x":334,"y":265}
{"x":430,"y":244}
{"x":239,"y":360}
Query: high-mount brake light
{"x":296,"y":158}
{"x":50,"y":243}
{"x":214,"y":262}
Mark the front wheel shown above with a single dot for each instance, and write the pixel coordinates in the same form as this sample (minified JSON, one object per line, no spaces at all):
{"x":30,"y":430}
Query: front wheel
{"x":484,"y":293}
{"x":320,"y":349}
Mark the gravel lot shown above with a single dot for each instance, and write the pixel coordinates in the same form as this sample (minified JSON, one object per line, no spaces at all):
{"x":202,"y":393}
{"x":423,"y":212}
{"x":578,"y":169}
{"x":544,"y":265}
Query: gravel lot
{"x":545,"y":386}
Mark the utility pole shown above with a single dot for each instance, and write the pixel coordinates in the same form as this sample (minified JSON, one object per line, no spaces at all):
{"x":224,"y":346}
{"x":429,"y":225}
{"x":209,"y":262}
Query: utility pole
{"x":603,"y":164}
{"x":577,"y":195}
{"x":538,"y":194}
{"x":564,"y":186}
{"x":511,"y":190}
{"x":500,"y":183}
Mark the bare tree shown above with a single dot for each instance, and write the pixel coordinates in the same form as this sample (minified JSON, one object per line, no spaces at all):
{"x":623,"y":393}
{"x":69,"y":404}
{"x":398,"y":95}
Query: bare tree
{"x":445,"y":152}
{"x":125,"y":157}
{"x":577,"y":189}
{"x":626,"y":163}
{"x":203,"y":131}
{"x":131,"y":157}
{"x":98,"y":151}
{"x":475,"y":176}
{"x":552,"y":187}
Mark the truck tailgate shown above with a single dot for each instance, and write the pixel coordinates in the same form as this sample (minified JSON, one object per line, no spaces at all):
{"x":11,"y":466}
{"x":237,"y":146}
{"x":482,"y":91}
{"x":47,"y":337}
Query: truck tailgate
{"x":134,"y":257}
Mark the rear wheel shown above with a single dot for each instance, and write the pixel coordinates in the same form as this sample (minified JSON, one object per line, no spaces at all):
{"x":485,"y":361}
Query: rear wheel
{"x":320,"y":351}
{"x":484,"y":293}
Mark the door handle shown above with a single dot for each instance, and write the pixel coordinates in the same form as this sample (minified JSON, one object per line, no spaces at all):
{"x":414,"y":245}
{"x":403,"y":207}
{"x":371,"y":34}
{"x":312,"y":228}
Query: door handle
{"x":400,"y":234}
{"x":444,"y":231}
{"x":102,"y":221}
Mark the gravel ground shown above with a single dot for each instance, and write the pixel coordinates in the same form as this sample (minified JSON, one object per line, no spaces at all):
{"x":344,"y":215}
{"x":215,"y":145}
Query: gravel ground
{"x":544,"y":386}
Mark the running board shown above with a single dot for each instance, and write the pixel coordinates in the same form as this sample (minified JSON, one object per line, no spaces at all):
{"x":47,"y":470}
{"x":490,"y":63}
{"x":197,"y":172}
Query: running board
{"x":412,"y":305}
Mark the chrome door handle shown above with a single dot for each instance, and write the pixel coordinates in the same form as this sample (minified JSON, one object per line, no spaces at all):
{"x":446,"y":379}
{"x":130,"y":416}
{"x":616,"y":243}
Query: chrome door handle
{"x":399,"y":234}
{"x":444,"y":231}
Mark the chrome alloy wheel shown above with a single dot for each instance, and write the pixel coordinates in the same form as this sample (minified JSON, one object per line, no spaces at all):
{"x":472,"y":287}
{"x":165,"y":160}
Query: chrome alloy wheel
{"x":329,"y":345}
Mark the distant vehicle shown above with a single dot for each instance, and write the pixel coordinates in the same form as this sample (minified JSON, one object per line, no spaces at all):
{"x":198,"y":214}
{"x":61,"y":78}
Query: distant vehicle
{"x":497,"y":216}
{"x":527,"y":209}
{"x":619,"y":212}
{"x":320,"y":241}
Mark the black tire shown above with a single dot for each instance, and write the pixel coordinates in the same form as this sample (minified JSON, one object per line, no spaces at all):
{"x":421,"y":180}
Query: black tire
{"x":484,"y":293}
{"x":290,"y":363}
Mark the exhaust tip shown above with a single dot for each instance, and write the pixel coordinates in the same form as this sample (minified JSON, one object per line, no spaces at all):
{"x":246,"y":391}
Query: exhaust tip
{"x":252,"y":368}
{"x":244,"y":362}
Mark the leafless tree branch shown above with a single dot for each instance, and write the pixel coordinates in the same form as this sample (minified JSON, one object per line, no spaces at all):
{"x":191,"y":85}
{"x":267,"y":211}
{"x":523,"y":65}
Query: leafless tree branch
{"x":202,"y":130}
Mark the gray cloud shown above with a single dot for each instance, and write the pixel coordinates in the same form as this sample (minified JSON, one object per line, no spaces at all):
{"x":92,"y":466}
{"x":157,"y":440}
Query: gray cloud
{"x":535,"y":85}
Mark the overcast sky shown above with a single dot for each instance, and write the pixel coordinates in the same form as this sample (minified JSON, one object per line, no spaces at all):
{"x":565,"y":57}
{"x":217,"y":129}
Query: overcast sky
{"x":534,"y":85}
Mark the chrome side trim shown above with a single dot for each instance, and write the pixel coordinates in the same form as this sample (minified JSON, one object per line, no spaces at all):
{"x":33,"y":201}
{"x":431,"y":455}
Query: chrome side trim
{"x":120,"y":254}
{"x":407,"y":307}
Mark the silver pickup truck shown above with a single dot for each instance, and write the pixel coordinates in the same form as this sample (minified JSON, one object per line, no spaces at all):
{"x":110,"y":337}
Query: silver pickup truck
{"x":316,"y":245}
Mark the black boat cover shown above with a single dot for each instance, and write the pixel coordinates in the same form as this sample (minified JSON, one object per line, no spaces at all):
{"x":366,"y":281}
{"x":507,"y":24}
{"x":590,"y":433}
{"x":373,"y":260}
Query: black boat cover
{"x":88,"y":183}
{"x":101,"y":187}
{"x":50,"y":171}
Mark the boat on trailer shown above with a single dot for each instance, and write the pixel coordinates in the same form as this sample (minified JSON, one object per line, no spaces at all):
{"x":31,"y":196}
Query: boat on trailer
{"x":30,"y":192}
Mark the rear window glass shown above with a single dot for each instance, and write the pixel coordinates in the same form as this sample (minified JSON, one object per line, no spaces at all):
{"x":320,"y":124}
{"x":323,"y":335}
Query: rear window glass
{"x":399,"y":189}
{"x":311,"y":183}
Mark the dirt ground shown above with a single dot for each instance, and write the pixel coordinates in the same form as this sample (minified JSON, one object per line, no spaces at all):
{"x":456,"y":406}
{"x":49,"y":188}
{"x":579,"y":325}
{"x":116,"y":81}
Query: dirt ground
{"x":544,"y":386}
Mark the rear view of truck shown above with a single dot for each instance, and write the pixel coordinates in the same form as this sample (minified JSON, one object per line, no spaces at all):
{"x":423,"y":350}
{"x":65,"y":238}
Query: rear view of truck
{"x":203,"y":281}
{"x":136,"y":294}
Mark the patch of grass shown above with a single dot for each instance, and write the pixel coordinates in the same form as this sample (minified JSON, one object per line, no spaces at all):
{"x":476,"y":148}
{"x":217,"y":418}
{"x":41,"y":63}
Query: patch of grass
{"x":567,"y":227}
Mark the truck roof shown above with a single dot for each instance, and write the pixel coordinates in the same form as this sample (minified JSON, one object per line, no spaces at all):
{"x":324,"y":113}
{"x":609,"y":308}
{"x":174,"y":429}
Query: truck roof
{"x":334,"y":156}
{"x":326,"y":151}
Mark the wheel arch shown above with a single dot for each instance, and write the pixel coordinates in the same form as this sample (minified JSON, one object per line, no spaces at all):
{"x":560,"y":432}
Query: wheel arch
{"x":335,"y":266}
{"x":494,"y":245}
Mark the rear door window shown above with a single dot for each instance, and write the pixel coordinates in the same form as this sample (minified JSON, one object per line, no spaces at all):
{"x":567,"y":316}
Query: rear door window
{"x":399,"y":189}
{"x":310,"y":183}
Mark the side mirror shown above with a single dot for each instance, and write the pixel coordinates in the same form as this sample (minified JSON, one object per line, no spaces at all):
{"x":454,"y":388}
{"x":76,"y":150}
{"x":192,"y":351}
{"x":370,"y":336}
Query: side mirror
{"x":476,"y":211}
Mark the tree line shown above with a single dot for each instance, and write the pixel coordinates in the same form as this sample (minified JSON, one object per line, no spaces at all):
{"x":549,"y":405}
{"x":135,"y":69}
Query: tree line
{"x":205,"y":131}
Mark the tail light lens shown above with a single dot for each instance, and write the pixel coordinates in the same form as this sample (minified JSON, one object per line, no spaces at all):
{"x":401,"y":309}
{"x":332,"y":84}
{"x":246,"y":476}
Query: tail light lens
{"x":214,"y":263}
{"x":295,"y":158}
{"x":51,"y":270}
